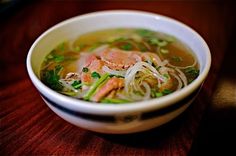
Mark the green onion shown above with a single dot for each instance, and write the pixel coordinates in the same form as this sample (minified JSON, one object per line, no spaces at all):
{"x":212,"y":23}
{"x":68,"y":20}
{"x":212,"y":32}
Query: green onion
{"x":94,"y":46}
{"x":117,"y":101}
{"x":95,"y":75}
{"x":161,"y":43}
{"x":51,"y":78}
{"x":72,"y":93}
{"x":58,"y":58}
{"x":144,"y":32}
{"x":192,"y":70}
{"x":158,"y":68}
{"x":177,"y":58}
{"x":159,"y":94}
{"x":55,"y":57}
{"x":94,"y":86}
{"x":50,"y":56}
{"x":192,"y":73}
{"x":164,"y":51}
{"x":120,"y":39}
{"x":85,"y":69}
{"x":61,"y":46}
{"x":166,"y":76}
{"x":166,"y":91}
{"x":157,"y":42}
{"x":127,"y":46}
{"x":153,"y":41}
{"x":77,"y":48}
{"x":76,"y":84}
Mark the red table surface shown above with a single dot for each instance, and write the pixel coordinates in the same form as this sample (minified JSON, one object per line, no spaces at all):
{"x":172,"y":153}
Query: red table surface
{"x":29,"y":127}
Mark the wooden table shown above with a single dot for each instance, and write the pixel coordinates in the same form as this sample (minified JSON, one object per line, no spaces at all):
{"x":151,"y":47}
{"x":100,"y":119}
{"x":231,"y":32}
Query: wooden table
{"x":27,"y":125}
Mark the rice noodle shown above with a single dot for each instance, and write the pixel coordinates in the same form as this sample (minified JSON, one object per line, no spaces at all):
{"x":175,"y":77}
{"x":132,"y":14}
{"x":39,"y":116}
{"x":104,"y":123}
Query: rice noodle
{"x":163,"y":63}
{"x":122,"y":96}
{"x":132,"y":83}
{"x":67,"y":85}
{"x":182,"y":76}
{"x":147,"y":90}
{"x":114,"y":72}
{"x":180,"y":84}
{"x":143,"y":65}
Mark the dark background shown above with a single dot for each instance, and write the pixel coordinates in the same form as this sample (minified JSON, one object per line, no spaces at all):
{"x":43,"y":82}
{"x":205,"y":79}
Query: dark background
{"x":28,"y":127}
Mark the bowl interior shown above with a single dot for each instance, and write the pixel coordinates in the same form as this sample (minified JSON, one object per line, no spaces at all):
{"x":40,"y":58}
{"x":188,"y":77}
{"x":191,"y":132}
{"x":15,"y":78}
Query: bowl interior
{"x":72,"y":28}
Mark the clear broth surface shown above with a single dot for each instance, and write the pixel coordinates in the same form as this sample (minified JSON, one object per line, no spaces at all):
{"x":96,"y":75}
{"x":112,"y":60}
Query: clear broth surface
{"x":142,"y":44}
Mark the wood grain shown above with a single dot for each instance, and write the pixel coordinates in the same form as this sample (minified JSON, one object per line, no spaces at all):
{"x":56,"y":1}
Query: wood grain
{"x":27,"y":125}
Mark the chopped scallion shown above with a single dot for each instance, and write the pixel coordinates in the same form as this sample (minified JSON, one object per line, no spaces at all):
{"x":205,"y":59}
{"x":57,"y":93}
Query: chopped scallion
{"x":159,"y":94}
{"x":116,"y":101}
{"x":166,"y":91}
{"x":61,"y":46}
{"x":95,"y":75}
{"x":85,"y":69}
{"x":177,"y":58}
{"x":58,"y":58}
{"x":166,"y":76}
{"x":94,"y":86}
{"x":127,"y":46}
{"x":164,"y":51}
{"x":76,"y":84}
{"x":144,"y":32}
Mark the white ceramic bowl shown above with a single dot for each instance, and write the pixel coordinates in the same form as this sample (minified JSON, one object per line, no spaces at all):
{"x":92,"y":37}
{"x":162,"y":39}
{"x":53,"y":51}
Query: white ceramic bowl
{"x":124,"y":118}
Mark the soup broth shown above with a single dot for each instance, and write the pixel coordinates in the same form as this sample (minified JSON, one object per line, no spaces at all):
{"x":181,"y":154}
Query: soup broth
{"x":119,"y":66}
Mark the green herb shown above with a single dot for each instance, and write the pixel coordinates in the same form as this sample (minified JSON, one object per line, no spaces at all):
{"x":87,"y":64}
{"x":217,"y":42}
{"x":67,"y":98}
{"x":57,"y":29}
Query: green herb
{"x":127,"y":46}
{"x":76,"y":84}
{"x":157,"y":42}
{"x":116,"y":101}
{"x":177,"y":58}
{"x":159,"y":94}
{"x":144,"y":32}
{"x":118,"y":76}
{"x":69,"y":93}
{"x":166,"y":91}
{"x":51,"y":78}
{"x":120,"y":39}
{"x":95,"y":75}
{"x":78,"y":48}
{"x":158,"y":68}
{"x":192,"y":73}
{"x":153,"y":41}
{"x":61,"y":46}
{"x":166,"y":76}
{"x":50,"y":56}
{"x":153,"y":93}
{"x":161,"y":43}
{"x":164,"y":51}
{"x":94,"y":46}
{"x":192,"y":70}
{"x":85,"y":70}
{"x":58,"y":58}
{"x":94,"y":86}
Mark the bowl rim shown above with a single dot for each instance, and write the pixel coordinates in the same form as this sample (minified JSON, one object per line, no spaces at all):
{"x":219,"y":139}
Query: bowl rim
{"x":102,"y":109}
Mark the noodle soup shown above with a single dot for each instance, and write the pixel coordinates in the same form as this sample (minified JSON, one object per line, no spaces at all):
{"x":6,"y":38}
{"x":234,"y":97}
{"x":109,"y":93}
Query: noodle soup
{"x":119,"y":66}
